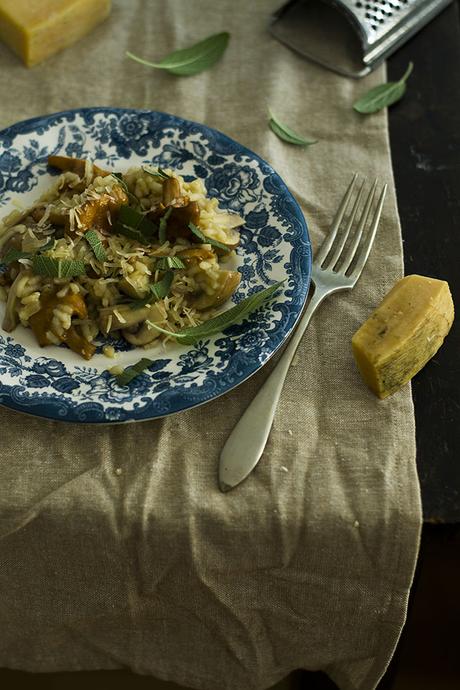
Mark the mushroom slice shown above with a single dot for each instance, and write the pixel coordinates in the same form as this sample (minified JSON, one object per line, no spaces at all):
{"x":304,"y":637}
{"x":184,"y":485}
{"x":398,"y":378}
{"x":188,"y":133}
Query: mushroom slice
{"x":230,"y":220}
{"x":181,"y":217}
{"x":54,"y":216}
{"x":11,"y":317}
{"x":171,"y":190}
{"x":40,"y":322}
{"x":75,"y":165}
{"x":228,"y":282}
{"x":78,"y":343}
{"x":145,"y":335}
{"x":181,"y":213}
{"x":196,"y":254}
{"x":11,"y":239}
{"x":121,"y":316}
{"x":138,"y":288}
{"x":227,"y":223}
{"x":232,"y":239}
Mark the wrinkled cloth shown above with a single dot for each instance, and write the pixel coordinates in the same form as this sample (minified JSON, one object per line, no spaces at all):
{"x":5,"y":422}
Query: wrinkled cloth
{"x":116,"y":547}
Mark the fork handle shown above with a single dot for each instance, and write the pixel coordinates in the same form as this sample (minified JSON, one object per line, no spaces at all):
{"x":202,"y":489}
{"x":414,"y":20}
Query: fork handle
{"x":246,"y":443}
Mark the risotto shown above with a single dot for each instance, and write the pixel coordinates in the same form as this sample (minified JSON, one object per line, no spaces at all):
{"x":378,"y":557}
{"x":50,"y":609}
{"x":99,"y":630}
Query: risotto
{"x":108,"y":253}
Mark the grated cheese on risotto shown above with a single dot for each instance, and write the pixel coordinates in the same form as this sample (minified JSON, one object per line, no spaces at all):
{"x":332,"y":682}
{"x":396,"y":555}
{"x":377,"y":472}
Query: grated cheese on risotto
{"x":103,"y":254}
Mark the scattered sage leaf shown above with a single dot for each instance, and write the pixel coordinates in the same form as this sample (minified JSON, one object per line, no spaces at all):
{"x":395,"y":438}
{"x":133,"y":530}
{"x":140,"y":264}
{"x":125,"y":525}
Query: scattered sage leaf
{"x":189,"y":336}
{"x":207,"y":240}
{"x":158,"y":290}
{"x":15,"y":254}
{"x":161,"y":289}
{"x":94,"y":241}
{"x":57,"y":268}
{"x":192,"y":60}
{"x":166,"y":262}
{"x":133,"y":224}
{"x":286,"y":133}
{"x":132,"y":371}
{"x":383,"y":95}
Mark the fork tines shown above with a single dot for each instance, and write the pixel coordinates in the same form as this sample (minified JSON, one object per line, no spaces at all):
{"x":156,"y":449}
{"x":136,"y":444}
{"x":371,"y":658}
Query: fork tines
{"x":343,"y":249}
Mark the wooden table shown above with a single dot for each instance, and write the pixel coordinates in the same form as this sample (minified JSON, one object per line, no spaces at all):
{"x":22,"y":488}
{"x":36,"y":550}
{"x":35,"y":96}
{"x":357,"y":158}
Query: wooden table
{"x":425,"y":145}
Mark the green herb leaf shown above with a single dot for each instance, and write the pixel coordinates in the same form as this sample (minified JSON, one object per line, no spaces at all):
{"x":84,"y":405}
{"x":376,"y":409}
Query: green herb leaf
{"x":130,"y":373}
{"x":157,"y":173}
{"x":57,"y":268}
{"x":158,"y":290}
{"x":14,"y":254}
{"x":383,"y":95}
{"x":162,"y":287}
{"x":133,"y":224}
{"x":95,"y":243}
{"x":193,"y":60}
{"x":207,"y":240}
{"x":166,"y":262}
{"x":287,"y":134}
{"x":163,"y":225}
{"x":189,"y":336}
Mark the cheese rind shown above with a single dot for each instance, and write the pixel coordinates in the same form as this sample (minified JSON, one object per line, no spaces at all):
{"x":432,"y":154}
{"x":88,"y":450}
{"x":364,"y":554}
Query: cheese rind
{"x":37,"y":30}
{"x":403,"y":333}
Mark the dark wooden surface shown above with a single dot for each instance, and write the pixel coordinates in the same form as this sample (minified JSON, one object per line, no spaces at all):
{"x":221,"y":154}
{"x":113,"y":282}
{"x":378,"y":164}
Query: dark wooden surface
{"x":425,"y":145}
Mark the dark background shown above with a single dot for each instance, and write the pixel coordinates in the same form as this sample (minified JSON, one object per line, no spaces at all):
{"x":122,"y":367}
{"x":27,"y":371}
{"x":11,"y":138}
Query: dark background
{"x":425,"y":146}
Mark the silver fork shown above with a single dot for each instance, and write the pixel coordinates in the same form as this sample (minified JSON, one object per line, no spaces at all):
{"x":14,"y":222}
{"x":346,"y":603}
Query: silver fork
{"x":337,"y":266}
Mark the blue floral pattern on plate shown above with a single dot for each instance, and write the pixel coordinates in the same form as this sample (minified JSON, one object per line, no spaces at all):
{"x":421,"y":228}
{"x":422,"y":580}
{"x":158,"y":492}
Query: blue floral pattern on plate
{"x":275,"y":245}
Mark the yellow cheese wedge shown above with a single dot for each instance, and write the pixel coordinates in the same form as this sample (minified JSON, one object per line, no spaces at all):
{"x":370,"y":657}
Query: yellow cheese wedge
{"x":403,"y":333}
{"x":36,"y":29}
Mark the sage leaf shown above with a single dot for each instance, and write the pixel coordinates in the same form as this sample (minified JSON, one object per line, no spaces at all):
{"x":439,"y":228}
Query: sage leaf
{"x":189,"y":336}
{"x":161,"y":289}
{"x":287,"y":134}
{"x":158,"y":290}
{"x":207,"y":240}
{"x":132,"y":371}
{"x":57,"y":268}
{"x":193,"y":60}
{"x":95,"y":243}
{"x":383,"y":95}
{"x":135,"y":225}
{"x":166,"y":262}
{"x":15,"y":254}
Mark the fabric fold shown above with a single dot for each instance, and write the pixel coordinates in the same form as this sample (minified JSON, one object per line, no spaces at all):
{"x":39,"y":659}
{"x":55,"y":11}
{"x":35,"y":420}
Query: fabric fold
{"x":131,"y":556}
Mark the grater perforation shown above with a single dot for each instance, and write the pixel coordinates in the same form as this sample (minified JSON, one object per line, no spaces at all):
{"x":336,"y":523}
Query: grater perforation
{"x":381,"y":15}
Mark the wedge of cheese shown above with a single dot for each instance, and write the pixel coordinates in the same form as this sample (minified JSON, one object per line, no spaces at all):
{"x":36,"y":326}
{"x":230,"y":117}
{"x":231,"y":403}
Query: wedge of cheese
{"x":36,"y":29}
{"x":403,"y":333}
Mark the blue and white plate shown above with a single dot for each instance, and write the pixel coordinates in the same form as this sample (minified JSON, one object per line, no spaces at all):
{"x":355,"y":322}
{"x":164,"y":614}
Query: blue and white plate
{"x":54,"y":382}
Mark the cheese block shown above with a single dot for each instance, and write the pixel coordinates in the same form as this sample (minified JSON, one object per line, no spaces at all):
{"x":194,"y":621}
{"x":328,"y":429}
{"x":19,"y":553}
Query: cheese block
{"x":36,"y":29}
{"x":403,"y":333}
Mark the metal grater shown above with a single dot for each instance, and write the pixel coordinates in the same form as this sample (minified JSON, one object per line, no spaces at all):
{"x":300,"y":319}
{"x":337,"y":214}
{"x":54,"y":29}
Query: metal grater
{"x":351,"y":36}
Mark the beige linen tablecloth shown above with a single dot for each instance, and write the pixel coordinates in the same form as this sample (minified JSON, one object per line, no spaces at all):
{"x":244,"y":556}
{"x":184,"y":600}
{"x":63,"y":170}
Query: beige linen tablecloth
{"x":308,"y":563}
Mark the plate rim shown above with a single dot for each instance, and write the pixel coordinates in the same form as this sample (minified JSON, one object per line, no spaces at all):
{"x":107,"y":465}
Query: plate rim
{"x":41,"y":411}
